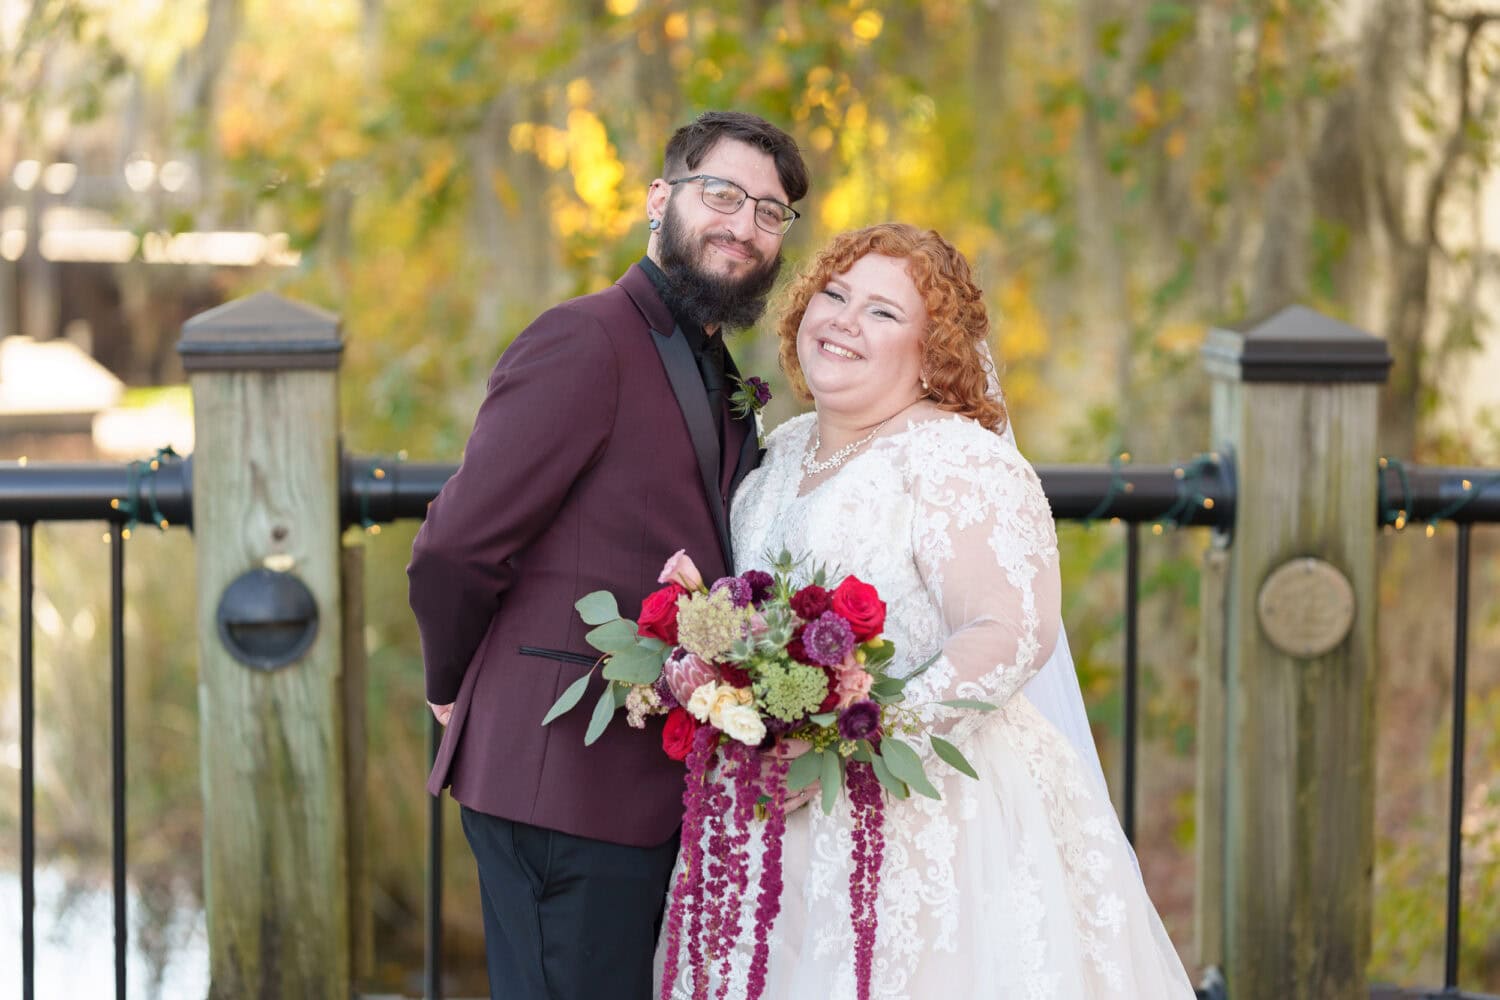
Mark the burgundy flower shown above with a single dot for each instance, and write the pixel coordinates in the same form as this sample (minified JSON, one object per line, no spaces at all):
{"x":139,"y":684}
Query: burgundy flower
{"x":760,"y":583}
{"x":811,"y":602}
{"x":828,"y":639}
{"x":859,"y":720}
{"x":734,"y":676}
{"x":739,"y":590}
{"x":760,"y":388}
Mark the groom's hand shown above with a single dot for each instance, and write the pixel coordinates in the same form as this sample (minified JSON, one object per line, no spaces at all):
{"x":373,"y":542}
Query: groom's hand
{"x":441,"y":712}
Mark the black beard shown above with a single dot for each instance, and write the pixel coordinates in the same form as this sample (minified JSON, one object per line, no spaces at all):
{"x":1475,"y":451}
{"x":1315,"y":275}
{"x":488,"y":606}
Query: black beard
{"x":705,"y":298}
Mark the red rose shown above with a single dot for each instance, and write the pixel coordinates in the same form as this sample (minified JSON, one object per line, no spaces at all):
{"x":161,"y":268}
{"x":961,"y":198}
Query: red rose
{"x":810,"y":602}
{"x":860,"y":605}
{"x":659,"y":614}
{"x":677,"y":737}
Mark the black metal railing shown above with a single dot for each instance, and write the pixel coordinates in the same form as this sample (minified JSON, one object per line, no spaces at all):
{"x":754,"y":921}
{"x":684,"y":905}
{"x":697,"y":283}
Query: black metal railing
{"x":378,"y":490}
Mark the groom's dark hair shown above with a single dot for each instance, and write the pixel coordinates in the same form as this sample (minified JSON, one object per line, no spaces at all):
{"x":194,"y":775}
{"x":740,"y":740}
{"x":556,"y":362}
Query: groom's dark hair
{"x":691,"y":143}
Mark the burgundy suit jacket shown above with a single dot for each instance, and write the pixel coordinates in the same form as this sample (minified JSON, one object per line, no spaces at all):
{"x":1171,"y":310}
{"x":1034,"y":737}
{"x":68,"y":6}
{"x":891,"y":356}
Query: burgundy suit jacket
{"x":593,"y":458}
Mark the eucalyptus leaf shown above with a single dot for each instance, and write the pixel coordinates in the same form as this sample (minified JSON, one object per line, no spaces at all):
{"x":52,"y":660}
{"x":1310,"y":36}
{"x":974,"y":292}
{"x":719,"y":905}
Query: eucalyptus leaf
{"x":833,"y":779}
{"x":568,"y":698}
{"x":804,"y":770}
{"x":953,"y":756}
{"x":892,"y":784}
{"x":604,"y":710}
{"x":635,"y":665}
{"x":877,"y":655}
{"x":598,"y":607}
{"x":906,"y":765}
{"x":823,"y":718}
{"x":982,"y":706}
{"x":888,"y":687}
{"x":612,"y":636}
{"x":923,"y":668}
{"x":862,"y":752}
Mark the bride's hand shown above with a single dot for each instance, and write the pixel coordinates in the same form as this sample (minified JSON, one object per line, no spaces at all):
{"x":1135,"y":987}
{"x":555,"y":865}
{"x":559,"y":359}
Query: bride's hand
{"x":791,"y":749}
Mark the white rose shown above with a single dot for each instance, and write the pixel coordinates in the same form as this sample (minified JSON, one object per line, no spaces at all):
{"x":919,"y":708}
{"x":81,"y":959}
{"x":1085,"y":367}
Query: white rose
{"x":743,"y":723}
{"x":702,"y":700}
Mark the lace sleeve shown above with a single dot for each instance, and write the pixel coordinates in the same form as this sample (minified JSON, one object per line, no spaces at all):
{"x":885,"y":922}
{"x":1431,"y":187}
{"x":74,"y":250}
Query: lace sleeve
{"x":986,"y":548}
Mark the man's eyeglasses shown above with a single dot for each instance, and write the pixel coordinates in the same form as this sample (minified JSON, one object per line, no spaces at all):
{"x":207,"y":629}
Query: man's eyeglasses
{"x":723,"y":196}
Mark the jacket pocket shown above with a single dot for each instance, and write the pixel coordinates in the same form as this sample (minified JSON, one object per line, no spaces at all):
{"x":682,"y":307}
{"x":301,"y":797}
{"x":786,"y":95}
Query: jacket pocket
{"x":559,"y":654}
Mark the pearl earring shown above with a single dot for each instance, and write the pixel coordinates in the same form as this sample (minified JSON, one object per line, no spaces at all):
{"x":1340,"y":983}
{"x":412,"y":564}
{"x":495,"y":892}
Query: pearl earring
{"x":654,"y":225}
{"x":925,"y":387}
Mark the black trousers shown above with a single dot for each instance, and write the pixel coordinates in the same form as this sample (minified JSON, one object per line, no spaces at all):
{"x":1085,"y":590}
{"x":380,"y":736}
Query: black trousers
{"x":565,"y":917}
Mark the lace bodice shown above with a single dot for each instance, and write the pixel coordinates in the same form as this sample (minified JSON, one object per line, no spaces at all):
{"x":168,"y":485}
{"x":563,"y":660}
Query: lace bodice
{"x":950,"y":524}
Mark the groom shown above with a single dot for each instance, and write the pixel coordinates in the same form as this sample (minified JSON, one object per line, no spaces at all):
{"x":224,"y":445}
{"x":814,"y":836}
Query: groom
{"x":604,"y":444}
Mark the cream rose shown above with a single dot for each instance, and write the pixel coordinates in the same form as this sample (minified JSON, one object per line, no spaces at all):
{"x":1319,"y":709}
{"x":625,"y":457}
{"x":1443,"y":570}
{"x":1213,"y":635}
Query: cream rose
{"x":743,"y":723}
{"x":701,"y":702}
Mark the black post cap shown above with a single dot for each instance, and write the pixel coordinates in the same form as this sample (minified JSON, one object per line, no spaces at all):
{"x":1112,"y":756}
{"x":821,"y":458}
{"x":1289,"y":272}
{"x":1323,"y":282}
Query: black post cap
{"x":262,"y":331}
{"x":1297,"y":345}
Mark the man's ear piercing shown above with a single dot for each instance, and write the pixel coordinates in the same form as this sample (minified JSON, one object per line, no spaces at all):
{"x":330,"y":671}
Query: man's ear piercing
{"x":654,"y":225}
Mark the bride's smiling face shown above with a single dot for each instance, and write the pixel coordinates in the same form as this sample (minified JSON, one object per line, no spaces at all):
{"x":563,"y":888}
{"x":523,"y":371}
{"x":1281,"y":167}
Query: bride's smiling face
{"x":860,"y":339}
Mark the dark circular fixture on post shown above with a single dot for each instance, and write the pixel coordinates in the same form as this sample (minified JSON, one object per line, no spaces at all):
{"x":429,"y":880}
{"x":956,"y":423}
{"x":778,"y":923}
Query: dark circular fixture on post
{"x":267,"y":619}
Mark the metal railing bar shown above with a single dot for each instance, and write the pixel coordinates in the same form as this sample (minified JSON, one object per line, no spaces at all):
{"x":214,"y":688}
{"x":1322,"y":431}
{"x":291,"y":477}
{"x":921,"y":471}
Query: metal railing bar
{"x":28,"y":764}
{"x":1132,"y":669}
{"x":91,"y":491}
{"x":117,"y":744}
{"x":1456,"y":767}
{"x":432,"y":974}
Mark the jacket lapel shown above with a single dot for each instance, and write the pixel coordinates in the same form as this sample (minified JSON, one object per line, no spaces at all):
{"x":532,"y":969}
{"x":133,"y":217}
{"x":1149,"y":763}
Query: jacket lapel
{"x":687,"y":386}
{"x":743,"y":432}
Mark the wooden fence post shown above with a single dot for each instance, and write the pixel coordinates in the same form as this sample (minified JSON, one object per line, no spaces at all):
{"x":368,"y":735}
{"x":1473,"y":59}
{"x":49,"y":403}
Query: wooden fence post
{"x":1296,"y":399}
{"x":264,"y":375}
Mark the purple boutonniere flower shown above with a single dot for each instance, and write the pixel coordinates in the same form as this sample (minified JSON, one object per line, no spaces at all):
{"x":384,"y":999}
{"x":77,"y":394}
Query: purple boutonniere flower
{"x":750,"y":396}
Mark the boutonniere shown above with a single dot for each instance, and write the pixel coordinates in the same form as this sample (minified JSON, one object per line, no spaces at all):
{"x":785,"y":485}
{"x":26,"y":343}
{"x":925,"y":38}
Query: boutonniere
{"x":751,"y":395}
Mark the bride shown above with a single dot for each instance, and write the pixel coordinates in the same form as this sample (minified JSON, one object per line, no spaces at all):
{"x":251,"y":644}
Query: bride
{"x":1020,"y":884}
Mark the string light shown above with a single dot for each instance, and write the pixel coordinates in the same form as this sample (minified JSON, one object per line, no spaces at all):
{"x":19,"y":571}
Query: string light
{"x":140,"y":500}
{"x":377,"y":473}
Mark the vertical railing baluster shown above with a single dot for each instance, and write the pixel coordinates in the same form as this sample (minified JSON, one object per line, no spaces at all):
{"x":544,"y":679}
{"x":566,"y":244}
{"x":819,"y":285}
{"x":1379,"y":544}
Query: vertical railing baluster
{"x":28,"y":760}
{"x":433,"y":973}
{"x":1132,"y":667}
{"x":1456,"y":767}
{"x":117,"y":742}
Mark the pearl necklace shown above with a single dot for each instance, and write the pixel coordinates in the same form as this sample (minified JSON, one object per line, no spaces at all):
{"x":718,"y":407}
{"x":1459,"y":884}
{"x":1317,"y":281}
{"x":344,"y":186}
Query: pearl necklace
{"x":839,"y":457}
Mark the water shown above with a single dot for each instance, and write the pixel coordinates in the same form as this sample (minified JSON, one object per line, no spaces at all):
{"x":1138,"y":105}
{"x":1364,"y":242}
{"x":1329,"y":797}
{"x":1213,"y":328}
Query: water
{"x":75,"y":955}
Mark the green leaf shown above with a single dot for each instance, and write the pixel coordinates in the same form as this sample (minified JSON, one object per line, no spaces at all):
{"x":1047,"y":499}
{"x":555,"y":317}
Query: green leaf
{"x":612,"y":637}
{"x":634,"y":665}
{"x":804,"y":770}
{"x":597,"y":608}
{"x":833,"y":779}
{"x":888,"y":687}
{"x":892,"y":784}
{"x":953,"y":756}
{"x":568,"y":699}
{"x":604,"y":710}
{"x":906,"y":765}
{"x":879,"y":654}
{"x":982,"y":706}
{"x":862,"y":752}
{"x":823,"y":718}
{"x":923,"y":668}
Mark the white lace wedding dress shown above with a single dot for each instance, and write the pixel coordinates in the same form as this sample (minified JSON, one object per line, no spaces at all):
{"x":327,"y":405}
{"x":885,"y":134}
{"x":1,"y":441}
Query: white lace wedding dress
{"x":1019,"y":885}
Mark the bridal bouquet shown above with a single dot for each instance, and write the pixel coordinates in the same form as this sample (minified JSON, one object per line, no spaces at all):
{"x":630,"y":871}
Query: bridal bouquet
{"x":747,"y":665}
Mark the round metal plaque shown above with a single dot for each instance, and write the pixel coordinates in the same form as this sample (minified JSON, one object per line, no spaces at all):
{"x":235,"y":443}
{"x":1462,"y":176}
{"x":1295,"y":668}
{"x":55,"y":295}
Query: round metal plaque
{"x":1306,"y":607}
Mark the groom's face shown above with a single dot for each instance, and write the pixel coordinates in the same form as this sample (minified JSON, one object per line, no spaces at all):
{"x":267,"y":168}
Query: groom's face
{"x":722,"y":265}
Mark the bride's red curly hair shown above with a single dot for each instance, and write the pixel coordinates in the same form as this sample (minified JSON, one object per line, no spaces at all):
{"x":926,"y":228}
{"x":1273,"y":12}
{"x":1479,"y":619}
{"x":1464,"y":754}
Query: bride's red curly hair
{"x":958,"y":326}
